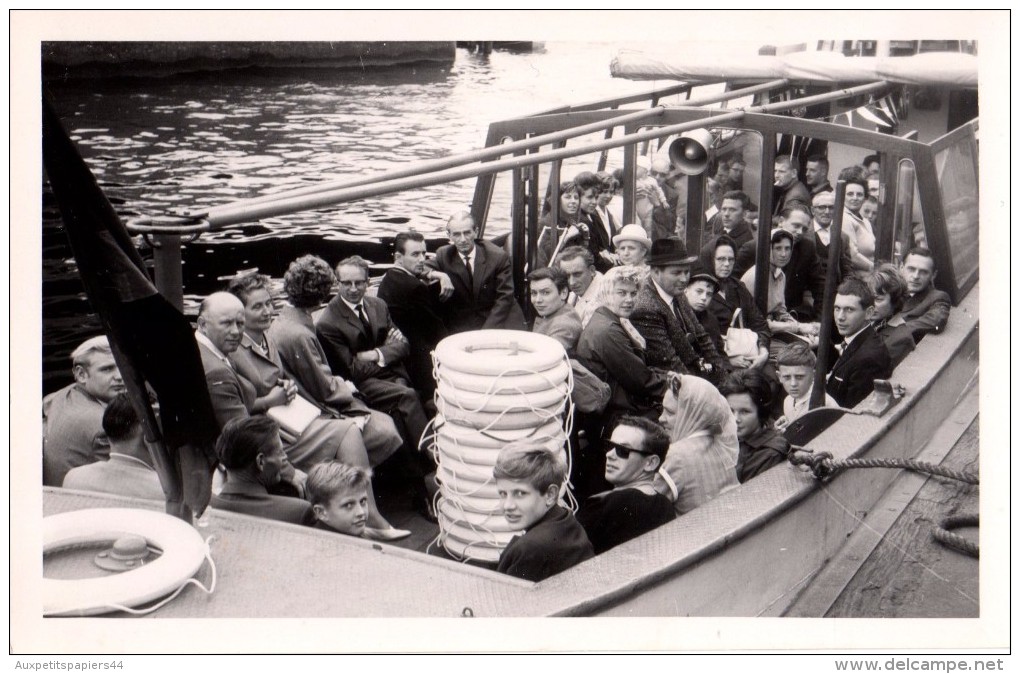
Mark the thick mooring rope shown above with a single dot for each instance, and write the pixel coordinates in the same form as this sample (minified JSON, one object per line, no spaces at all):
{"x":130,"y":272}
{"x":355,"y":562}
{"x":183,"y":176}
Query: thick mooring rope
{"x":824,"y":468}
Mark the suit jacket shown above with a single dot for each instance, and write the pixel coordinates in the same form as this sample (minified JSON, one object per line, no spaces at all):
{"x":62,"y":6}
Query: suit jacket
{"x":415,"y":309}
{"x":853,"y":374}
{"x":666,"y":335}
{"x":925,"y":312}
{"x":489,"y":302}
{"x":897,"y":339}
{"x":598,"y":239}
{"x":553,"y":544}
{"x":804,"y":273}
{"x":343,"y":336}
{"x":797,"y":191}
{"x":606,"y":350}
{"x":232,"y":395}
{"x":740,"y":234}
{"x":846,"y":268}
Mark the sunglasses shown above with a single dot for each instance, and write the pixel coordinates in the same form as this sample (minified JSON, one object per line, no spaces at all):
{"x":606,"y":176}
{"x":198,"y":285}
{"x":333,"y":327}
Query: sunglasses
{"x":622,"y":451}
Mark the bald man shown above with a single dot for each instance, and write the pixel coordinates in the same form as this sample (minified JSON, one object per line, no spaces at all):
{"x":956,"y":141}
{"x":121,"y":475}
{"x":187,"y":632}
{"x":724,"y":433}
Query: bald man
{"x":220,"y":327}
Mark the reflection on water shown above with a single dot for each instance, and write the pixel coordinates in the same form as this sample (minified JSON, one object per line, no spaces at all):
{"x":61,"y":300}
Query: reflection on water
{"x":187,"y":142}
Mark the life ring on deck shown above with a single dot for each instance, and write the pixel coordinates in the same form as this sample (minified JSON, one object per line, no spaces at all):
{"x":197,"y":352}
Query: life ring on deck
{"x":501,"y":399}
{"x":183,"y":553}
{"x":499,"y":352}
{"x":502,"y":421}
{"x":462,"y":435}
{"x":520,"y":383}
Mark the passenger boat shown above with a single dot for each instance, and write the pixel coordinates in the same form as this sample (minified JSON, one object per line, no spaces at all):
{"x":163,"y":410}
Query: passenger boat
{"x":751,"y":550}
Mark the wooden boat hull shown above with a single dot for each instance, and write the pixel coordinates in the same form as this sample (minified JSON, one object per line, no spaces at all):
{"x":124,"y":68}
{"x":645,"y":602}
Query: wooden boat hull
{"x":746,"y":553}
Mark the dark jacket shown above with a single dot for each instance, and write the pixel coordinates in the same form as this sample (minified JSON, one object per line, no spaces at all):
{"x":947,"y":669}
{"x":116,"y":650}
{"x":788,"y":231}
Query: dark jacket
{"x":553,"y":544}
{"x":606,"y":350}
{"x":926,"y":312}
{"x":616,"y":516}
{"x":489,"y":301}
{"x":797,"y":191}
{"x":415,"y":309}
{"x":598,"y":240}
{"x":761,"y":451}
{"x":803,"y":273}
{"x":853,"y":374}
{"x":343,"y":336}
{"x":732,"y":296}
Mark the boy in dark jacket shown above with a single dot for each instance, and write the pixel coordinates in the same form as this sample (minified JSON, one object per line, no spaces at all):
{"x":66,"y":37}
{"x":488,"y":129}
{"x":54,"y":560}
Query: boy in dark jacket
{"x":528,"y":479}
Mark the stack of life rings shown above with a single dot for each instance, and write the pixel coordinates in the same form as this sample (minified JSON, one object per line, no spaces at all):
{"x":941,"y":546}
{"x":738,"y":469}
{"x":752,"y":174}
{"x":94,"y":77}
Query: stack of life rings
{"x":494,"y":387}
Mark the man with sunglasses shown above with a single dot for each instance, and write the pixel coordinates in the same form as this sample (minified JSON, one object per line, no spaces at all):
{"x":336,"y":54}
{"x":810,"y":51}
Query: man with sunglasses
{"x":634,"y":452}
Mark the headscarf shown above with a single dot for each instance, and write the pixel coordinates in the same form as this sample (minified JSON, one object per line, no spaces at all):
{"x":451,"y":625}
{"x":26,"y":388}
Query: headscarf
{"x":693,"y":407}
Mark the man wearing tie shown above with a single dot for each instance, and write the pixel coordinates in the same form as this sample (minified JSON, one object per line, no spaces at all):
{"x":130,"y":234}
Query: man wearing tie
{"x":862,"y":356}
{"x":483,"y":287}
{"x":364,"y":346}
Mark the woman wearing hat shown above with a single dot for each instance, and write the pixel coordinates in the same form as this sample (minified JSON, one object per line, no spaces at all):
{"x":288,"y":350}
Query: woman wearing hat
{"x":731,"y":296}
{"x":632,"y":245}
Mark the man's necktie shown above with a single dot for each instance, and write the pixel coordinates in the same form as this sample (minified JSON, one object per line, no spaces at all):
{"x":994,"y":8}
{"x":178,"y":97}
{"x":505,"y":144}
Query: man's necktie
{"x":364,"y":320}
{"x":841,"y":347}
{"x":471,"y":277}
{"x":676,"y":310}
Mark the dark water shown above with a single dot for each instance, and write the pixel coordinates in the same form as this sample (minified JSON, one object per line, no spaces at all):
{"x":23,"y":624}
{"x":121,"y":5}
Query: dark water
{"x":156,"y":145}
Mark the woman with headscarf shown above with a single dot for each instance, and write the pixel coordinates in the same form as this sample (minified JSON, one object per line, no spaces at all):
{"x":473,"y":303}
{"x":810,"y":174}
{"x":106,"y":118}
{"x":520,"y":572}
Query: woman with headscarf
{"x":614,"y":351}
{"x":702,"y":457}
{"x":733,"y":296}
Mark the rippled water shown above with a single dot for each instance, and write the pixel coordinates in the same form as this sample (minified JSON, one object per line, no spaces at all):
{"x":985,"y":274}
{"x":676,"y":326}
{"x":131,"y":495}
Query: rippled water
{"x":156,"y":145}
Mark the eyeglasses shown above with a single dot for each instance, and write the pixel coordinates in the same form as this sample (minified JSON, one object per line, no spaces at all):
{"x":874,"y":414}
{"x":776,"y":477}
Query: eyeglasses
{"x":353,"y":284}
{"x":824,"y":208}
{"x":622,"y":451}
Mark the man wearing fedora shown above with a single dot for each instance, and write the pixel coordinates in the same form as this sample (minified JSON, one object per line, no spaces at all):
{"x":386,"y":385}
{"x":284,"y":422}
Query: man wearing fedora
{"x":675,"y":338}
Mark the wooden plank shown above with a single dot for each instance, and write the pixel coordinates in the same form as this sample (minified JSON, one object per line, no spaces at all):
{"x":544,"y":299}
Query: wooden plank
{"x":830,"y":586}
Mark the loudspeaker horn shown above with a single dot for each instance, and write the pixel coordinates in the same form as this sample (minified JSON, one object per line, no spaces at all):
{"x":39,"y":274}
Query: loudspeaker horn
{"x":689,"y":152}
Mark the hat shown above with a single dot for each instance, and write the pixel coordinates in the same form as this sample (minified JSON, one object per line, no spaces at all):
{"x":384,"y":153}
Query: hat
{"x":670,"y":251}
{"x":633,"y":233}
{"x":700,"y":273}
{"x":780,"y":233}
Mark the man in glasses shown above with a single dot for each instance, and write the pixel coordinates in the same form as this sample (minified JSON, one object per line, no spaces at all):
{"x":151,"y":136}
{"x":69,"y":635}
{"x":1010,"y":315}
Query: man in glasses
{"x":363,"y":345}
{"x":634,"y":452}
{"x":823,"y":206}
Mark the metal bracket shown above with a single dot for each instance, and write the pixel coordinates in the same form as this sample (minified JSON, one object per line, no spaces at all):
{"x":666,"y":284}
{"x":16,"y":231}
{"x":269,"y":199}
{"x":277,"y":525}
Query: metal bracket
{"x":883,"y":398}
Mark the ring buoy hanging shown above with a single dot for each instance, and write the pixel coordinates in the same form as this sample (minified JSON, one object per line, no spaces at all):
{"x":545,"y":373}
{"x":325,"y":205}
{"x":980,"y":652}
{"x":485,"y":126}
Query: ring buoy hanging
{"x":183,"y":553}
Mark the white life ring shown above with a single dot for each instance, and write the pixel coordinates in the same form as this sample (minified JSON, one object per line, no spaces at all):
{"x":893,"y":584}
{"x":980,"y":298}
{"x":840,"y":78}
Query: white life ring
{"x":499,"y":352}
{"x":523,"y":383}
{"x":502,"y":421}
{"x":183,"y":553}
{"x":501,"y":399}
{"x":465,"y":436}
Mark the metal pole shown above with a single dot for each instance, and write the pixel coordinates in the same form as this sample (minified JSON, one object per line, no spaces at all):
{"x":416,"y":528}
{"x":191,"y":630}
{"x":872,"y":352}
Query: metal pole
{"x":166,"y":253}
{"x":832,"y":279}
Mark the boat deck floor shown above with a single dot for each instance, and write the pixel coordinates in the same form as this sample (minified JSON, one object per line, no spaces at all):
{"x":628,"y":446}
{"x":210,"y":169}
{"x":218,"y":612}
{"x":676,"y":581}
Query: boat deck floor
{"x":906,"y":573}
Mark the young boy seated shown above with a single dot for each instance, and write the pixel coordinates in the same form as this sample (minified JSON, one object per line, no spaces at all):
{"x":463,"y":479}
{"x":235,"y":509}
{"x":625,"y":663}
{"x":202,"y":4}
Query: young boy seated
{"x":634,"y":453}
{"x":528,"y":479}
{"x":338,"y":493}
{"x":797,"y":374}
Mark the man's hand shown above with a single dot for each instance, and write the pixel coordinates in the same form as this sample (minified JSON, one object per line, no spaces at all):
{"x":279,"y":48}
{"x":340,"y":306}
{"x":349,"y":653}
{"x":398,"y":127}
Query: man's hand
{"x":445,"y":284}
{"x":368,"y":356}
{"x":611,"y":258}
{"x":298,"y":480}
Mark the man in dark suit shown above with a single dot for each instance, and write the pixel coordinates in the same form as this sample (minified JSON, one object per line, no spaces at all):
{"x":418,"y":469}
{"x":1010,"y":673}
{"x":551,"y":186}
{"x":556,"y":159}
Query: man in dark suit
{"x":803,"y":273}
{"x":787,"y":187}
{"x":364,"y":346}
{"x":925,"y":309}
{"x":675,"y":339}
{"x":862,"y":356}
{"x":483,"y":286}
{"x":415,"y":307}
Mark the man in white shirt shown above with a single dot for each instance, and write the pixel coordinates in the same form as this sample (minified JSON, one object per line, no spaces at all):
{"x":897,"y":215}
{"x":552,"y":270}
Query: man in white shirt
{"x":583,"y":279}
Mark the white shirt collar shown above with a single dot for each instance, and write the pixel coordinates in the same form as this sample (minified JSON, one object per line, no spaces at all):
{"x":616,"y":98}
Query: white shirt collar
{"x":854,"y":336}
{"x":666,"y":297}
{"x":353,"y":307}
{"x":202,"y":339}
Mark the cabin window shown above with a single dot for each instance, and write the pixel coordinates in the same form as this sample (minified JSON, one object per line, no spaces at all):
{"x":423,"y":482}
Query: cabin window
{"x":908,"y":221}
{"x":958,"y":184}
{"x":734,"y":164}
